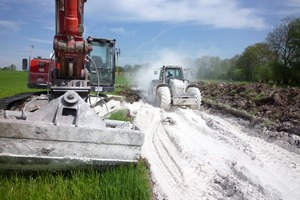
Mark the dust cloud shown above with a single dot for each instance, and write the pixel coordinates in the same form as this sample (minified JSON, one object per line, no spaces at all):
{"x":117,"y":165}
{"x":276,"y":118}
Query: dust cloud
{"x":143,"y":77}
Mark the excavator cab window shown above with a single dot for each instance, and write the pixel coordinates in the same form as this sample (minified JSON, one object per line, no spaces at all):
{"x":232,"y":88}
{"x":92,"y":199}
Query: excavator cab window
{"x":102,"y":64}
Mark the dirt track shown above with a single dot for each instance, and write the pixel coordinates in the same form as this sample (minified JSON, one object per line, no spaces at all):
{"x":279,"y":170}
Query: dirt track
{"x":197,"y":155}
{"x":211,"y":154}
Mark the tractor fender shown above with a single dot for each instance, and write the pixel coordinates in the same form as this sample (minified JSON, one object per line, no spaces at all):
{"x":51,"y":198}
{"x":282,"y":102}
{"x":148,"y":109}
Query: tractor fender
{"x":192,"y":85}
{"x":152,"y":90}
{"x":158,"y":86}
{"x":162,"y":85}
{"x":155,"y":84}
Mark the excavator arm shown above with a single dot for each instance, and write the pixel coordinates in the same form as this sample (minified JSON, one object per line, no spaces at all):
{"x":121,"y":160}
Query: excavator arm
{"x":70,"y":49}
{"x":77,"y":64}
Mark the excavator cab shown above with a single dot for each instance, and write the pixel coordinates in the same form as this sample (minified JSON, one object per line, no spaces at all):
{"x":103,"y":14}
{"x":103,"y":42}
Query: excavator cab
{"x":102,"y":64}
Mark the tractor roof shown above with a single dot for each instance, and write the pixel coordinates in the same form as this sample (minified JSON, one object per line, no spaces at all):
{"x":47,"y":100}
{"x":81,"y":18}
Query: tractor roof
{"x":173,"y":66}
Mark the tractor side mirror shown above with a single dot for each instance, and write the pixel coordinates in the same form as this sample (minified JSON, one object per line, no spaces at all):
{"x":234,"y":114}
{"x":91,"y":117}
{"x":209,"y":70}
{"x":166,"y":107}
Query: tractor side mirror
{"x":24,"y":64}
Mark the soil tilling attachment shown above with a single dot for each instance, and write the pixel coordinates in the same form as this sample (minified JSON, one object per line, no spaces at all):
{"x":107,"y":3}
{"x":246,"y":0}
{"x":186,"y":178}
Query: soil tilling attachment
{"x":65,"y":134}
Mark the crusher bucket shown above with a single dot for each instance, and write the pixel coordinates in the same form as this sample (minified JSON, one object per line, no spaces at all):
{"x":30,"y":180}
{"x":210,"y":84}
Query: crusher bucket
{"x":63,"y":135}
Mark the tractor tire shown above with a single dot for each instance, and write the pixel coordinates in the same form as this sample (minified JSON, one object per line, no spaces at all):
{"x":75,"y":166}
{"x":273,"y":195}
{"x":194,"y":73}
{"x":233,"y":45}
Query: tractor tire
{"x":163,"y":98}
{"x":197,"y":94}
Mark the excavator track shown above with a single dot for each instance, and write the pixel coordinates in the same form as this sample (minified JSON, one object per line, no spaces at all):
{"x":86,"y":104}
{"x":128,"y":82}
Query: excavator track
{"x":9,"y":102}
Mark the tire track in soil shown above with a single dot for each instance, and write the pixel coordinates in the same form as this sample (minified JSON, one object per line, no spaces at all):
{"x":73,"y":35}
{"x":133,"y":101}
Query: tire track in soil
{"x":167,"y":174}
{"x":163,"y":152}
{"x":284,"y":164}
{"x":203,"y":156}
{"x":225,"y":177}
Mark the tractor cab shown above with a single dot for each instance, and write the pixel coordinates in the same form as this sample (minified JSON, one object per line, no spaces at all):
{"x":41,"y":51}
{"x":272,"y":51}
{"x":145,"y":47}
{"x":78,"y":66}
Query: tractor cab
{"x":171,"y":72}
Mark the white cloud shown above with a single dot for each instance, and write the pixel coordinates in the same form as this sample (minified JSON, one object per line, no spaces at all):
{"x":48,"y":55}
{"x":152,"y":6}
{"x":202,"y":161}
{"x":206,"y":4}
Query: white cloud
{"x":121,"y":31}
{"x":9,"y":24}
{"x":217,"y":13}
{"x":154,"y":38}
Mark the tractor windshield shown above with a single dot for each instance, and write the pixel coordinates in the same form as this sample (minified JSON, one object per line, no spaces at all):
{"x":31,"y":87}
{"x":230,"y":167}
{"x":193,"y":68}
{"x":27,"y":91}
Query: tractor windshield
{"x":175,"y":73}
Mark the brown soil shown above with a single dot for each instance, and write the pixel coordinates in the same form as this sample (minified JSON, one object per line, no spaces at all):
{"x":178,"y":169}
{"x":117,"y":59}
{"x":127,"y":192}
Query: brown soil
{"x":276,"y":108}
{"x":130,"y":94}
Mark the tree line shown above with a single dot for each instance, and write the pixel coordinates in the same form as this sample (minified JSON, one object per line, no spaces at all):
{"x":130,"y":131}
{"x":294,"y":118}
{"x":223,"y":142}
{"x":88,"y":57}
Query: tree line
{"x":277,"y":59}
{"x":9,"y":68}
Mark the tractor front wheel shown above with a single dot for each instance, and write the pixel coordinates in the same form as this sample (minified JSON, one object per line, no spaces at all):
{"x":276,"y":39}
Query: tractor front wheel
{"x":196,"y":92}
{"x":163,"y":98}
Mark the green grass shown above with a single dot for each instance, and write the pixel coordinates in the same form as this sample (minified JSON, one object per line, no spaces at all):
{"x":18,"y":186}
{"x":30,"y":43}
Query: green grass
{"x":120,"y":83}
{"x":260,"y":96}
{"x":121,"y":115}
{"x":121,"y":80}
{"x":122,"y":182}
{"x":13,"y":82}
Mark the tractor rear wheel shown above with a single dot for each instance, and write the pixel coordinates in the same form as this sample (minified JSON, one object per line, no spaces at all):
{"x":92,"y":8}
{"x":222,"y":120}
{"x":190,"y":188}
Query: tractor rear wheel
{"x":163,"y":98}
{"x":196,"y":92}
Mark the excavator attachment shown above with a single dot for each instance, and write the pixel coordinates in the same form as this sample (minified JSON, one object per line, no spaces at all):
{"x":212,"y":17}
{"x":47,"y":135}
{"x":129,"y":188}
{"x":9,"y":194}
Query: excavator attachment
{"x":65,"y":134}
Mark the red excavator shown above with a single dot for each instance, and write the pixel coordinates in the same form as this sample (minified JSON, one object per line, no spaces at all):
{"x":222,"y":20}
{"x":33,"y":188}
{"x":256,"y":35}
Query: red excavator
{"x":60,"y":131}
{"x":75,"y":65}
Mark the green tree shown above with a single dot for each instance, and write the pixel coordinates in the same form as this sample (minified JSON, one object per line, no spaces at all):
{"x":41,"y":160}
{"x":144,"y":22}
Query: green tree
{"x":254,"y":62}
{"x":11,"y":67}
{"x":127,"y":68}
{"x":294,"y":34}
{"x":247,"y":64}
{"x":284,"y":42}
{"x":233,"y":72}
{"x":208,"y":67}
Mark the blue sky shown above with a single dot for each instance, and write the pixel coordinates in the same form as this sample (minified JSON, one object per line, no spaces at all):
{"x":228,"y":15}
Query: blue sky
{"x":147,"y":30}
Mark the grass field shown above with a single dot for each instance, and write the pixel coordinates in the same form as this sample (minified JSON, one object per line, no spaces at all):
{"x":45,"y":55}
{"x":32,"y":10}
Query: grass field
{"x":13,"y":82}
{"x":122,"y":182}
{"x":121,"y":80}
